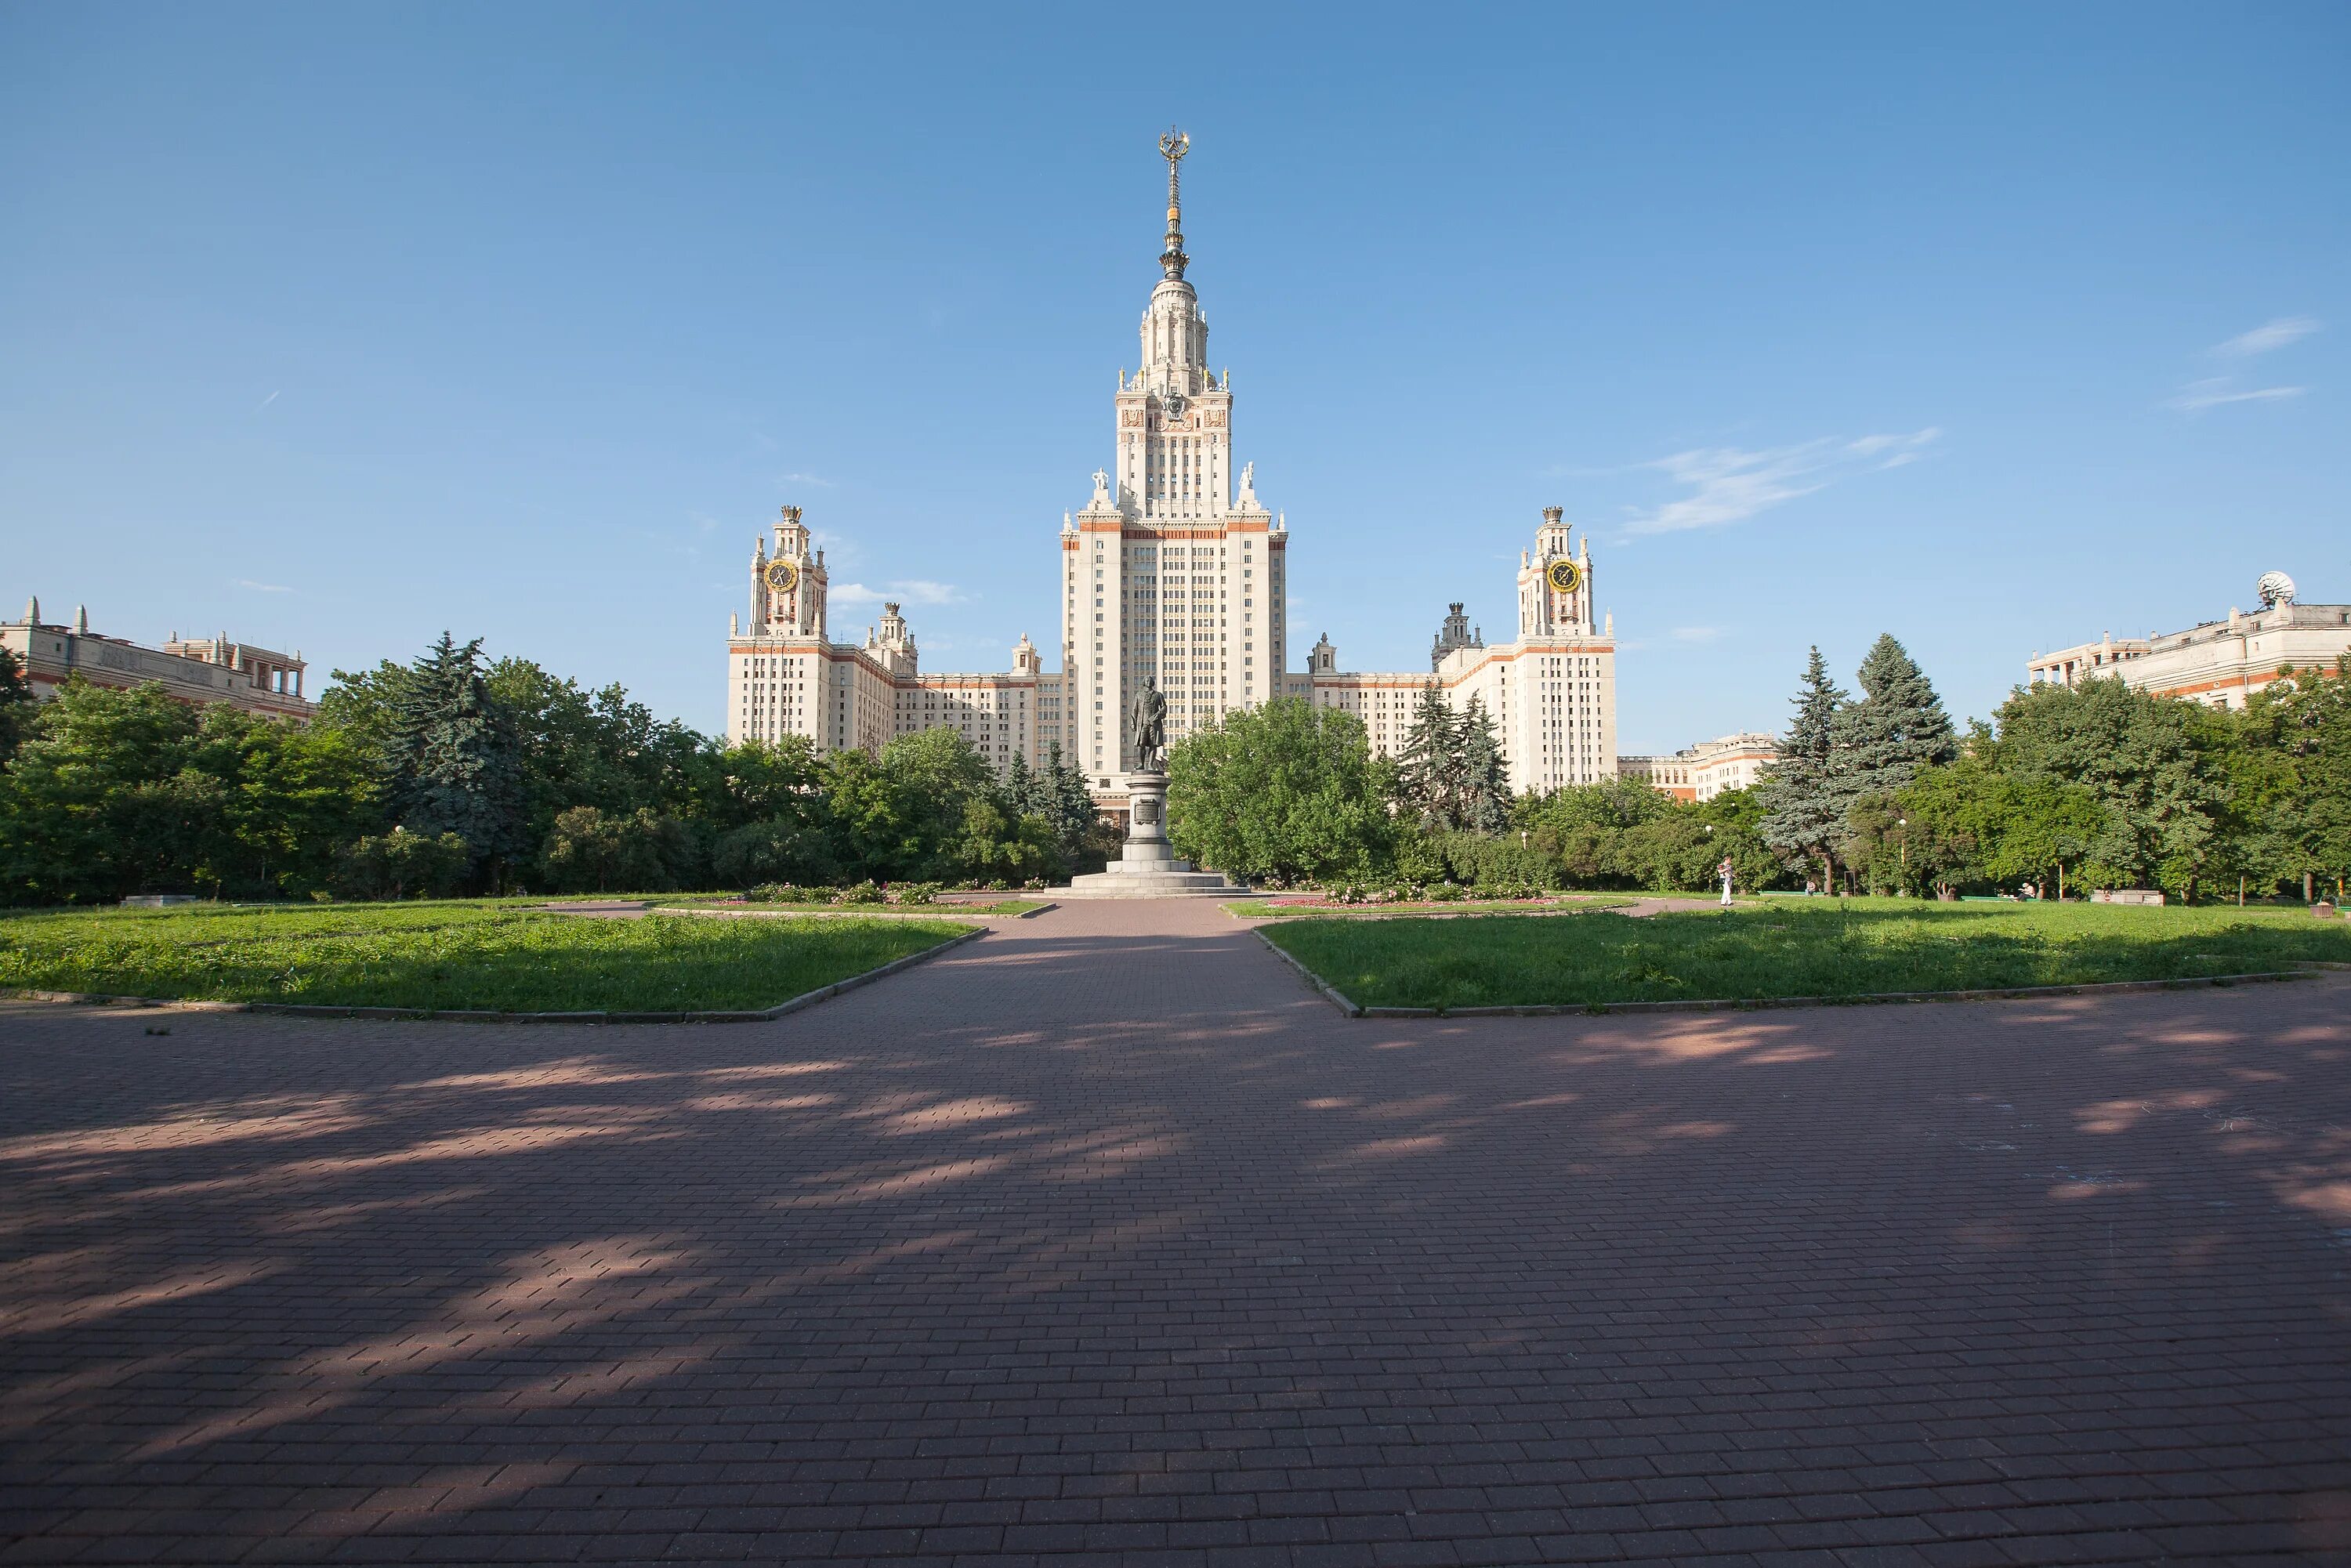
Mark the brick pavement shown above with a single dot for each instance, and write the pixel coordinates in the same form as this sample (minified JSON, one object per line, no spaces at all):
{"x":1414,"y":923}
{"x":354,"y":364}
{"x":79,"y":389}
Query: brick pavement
{"x":1102,"y":1240}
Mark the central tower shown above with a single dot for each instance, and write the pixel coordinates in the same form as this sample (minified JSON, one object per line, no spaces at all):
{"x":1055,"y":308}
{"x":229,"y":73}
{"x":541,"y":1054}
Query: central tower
{"x":1168,"y":574}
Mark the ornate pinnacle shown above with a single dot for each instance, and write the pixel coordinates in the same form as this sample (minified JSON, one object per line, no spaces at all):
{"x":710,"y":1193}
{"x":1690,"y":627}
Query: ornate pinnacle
{"x":1172,"y":260}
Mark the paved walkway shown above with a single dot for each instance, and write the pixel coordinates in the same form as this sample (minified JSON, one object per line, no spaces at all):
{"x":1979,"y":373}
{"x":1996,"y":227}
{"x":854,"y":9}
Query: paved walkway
{"x":1100,"y":1239}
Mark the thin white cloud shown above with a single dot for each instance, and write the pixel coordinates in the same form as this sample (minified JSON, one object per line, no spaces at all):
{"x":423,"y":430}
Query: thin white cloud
{"x":1728,"y":485}
{"x":2270,"y":335}
{"x":260,"y":587}
{"x":1696,"y":633}
{"x":266,"y":402}
{"x":854,"y":594}
{"x":805,"y":480}
{"x":921,"y":590}
{"x":2214,"y":390}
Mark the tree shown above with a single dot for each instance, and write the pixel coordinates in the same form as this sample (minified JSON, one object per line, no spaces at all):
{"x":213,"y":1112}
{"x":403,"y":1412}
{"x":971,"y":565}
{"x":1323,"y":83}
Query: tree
{"x":1582,"y":826}
{"x":997,"y":844}
{"x":1427,"y":772}
{"x":783,"y":848}
{"x":16,"y":704}
{"x":1283,"y":791}
{"x":454,"y":762}
{"x":1451,"y":776}
{"x":102,"y":798}
{"x":2153,"y":765}
{"x":2291,"y":781}
{"x":1898,"y":726}
{"x":731,"y":787}
{"x":1485,"y":773}
{"x":1806,"y":793}
{"x":292,"y":796}
{"x":1067,"y":803}
{"x":589,"y":850}
{"x":581,"y":747}
{"x":402,"y":864}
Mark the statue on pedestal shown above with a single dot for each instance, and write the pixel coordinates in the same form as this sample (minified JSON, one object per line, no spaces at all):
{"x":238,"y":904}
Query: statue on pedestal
{"x":1146,"y":729}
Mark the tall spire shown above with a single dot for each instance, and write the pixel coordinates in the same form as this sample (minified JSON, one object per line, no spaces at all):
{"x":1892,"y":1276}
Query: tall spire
{"x":1172,"y":260}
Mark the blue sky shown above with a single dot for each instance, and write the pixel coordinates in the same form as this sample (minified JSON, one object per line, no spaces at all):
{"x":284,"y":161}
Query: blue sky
{"x":1993,"y":327}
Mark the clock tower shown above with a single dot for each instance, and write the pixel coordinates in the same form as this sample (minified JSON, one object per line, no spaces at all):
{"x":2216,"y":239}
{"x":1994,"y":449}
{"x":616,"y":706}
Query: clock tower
{"x":788,"y":587}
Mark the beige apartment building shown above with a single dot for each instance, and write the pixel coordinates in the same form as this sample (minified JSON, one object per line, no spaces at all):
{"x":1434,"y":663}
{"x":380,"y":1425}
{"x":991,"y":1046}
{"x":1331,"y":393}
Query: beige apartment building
{"x":1710,"y":767}
{"x":1552,"y":690}
{"x":193,"y":670}
{"x":1173,"y":573}
{"x":2220,"y":662}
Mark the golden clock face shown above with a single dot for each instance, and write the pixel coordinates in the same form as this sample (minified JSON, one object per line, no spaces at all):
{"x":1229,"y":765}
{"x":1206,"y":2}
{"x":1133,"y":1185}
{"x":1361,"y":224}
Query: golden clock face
{"x":782,"y":575}
{"x":1563,"y":575}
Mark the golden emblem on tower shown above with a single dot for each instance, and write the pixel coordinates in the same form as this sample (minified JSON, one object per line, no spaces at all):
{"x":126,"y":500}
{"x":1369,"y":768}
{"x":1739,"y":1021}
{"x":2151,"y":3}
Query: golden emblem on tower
{"x":1563,"y":575}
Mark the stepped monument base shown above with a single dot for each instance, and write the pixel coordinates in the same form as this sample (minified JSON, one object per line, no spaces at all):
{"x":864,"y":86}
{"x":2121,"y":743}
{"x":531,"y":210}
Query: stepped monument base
{"x":1147,"y":866}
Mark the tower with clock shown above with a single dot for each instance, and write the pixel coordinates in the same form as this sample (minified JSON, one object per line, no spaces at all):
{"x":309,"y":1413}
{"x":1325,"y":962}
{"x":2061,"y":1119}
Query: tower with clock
{"x":788,"y":587}
{"x":1554,"y":581}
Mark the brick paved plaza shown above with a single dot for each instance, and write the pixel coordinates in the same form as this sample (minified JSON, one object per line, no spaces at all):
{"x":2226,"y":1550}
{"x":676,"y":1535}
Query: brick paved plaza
{"x":1102,"y":1240}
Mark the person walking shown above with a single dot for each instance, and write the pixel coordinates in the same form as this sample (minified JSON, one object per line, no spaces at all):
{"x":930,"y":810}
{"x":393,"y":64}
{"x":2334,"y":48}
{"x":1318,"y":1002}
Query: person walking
{"x":1725,"y":871}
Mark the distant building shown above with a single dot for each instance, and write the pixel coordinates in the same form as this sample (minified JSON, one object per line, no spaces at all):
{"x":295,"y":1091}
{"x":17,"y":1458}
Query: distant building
{"x":1193,"y":599}
{"x":2220,"y":662}
{"x":193,"y":670}
{"x":1456,"y":636}
{"x":1701,"y":772}
{"x":785,"y":675}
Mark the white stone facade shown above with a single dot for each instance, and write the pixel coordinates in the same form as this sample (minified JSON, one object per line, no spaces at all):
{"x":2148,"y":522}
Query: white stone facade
{"x":2220,"y":662}
{"x":785,"y":675}
{"x":1173,"y":572}
{"x":193,"y":670}
{"x":1552,"y":690}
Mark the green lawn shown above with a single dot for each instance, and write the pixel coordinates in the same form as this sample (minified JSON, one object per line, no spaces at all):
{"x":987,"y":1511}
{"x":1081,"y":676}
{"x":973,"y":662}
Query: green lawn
{"x":1570,"y":904}
{"x":1780,"y":950}
{"x":834,"y":911}
{"x":459,"y":955}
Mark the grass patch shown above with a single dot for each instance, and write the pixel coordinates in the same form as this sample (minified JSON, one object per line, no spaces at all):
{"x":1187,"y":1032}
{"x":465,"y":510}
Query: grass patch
{"x":458,"y":955}
{"x":1865,"y":947}
{"x":927,"y":911}
{"x":1568,"y":905}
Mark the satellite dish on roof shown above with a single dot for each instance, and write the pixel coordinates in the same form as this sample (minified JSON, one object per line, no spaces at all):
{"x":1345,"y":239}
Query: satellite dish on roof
{"x":2275,"y":588}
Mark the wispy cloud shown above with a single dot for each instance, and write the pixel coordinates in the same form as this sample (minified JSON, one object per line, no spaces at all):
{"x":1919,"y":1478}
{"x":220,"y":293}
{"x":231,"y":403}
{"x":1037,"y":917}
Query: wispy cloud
{"x":1696,"y":633}
{"x":260,"y":587}
{"x":921,"y":590}
{"x":2270,"y":335}
{"x":905,"y":591}
{"x":1729,"y":485}
{"x":266,"y":402}
{"x":805,"y":480}
{"x":2212,"y":392}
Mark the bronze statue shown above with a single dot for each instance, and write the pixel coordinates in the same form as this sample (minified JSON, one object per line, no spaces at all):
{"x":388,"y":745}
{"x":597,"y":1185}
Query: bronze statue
{"x":1146,"y":729}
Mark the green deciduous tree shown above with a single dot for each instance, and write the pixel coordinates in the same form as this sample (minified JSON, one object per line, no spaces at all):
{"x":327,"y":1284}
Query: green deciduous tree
{"x":589,"y":850}
{"x":16,"y":703}
{"x":2150,"y":762}
{"x":1284,"y":791}
{"x":402,"y":864}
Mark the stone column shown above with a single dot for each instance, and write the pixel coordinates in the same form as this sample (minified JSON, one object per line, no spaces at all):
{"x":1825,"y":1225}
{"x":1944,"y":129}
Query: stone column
{"x":1146,"y":848}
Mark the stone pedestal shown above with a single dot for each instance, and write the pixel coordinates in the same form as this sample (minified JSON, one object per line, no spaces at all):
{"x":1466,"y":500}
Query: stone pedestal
{"x":1147,"y":866}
